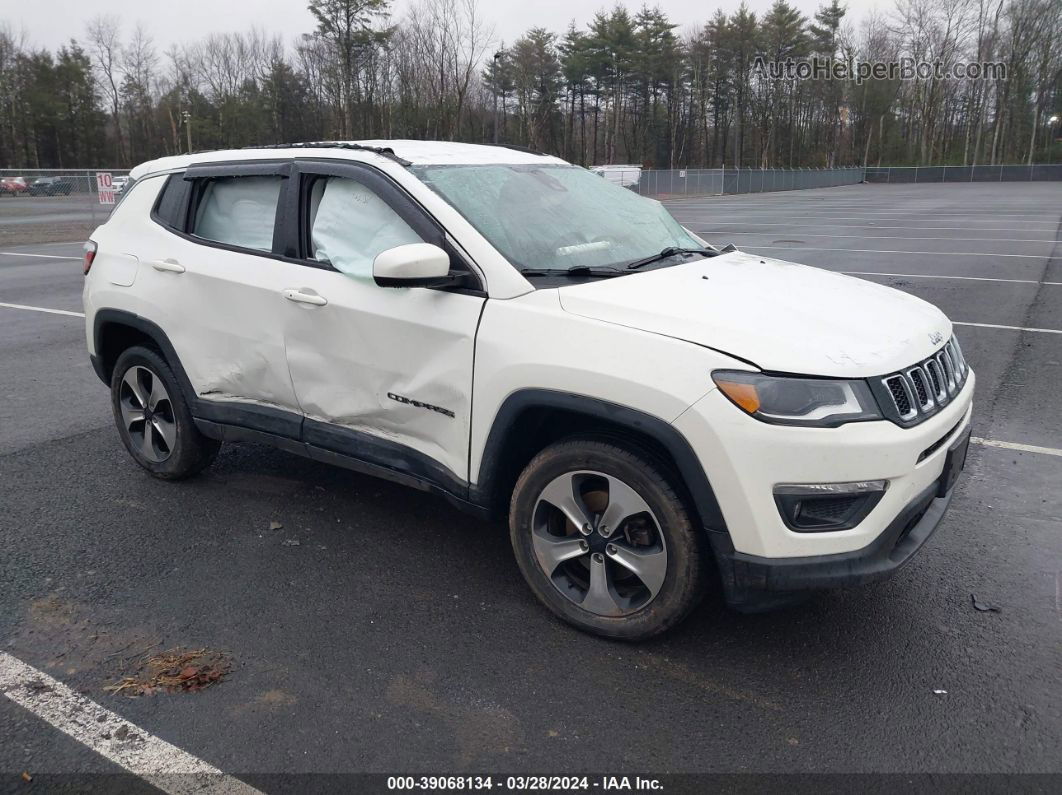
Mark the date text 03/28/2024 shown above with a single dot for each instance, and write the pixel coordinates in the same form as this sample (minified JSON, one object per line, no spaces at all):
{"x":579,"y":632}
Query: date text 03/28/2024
{"x":524,"y":783}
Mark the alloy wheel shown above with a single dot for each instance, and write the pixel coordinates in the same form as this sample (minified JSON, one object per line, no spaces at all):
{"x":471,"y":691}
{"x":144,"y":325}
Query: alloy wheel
{"x":147,"y":414}
{"x":599,"y":543}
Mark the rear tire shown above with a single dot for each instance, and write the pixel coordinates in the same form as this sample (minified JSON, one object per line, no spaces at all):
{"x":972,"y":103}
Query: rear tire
{"x":631,"y":580}
{"x":153,"y":419}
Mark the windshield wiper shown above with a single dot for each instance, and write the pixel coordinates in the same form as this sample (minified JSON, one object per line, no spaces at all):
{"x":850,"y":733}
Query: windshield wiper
{"x":575,"y":270}
{"x":670,"y":251}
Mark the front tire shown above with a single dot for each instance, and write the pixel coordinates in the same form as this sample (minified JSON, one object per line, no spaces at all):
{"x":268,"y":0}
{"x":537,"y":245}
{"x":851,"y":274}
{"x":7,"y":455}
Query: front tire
{"x":604,"y":540}
{"x":153,"y":420}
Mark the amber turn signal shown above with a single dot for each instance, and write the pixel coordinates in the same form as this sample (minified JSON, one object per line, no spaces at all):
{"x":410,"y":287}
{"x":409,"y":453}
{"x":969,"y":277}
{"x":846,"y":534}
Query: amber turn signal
{"x":744,"y":395}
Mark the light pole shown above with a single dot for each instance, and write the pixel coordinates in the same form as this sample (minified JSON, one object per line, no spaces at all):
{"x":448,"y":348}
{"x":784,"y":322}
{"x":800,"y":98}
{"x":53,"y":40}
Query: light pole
{"x":187,"y":116}
{"x":497,"y":85}
{"x":1050,"y":134}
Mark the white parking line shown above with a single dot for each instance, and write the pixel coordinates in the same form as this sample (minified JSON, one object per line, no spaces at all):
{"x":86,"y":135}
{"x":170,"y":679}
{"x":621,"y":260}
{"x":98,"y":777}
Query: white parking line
{"x":850,"y":226}
{"x":809,"y":211}
{"x":41,"y":256}
{"x":1025,"y":448}
{"x":941,"y":276}
{"x":1008,"y":328}
{"x":894,"y":237}
{"x":162,"y":765}
{"x":43,"y":309}
{"x":810,"y":220}
{"x":803,"y":209}
{"x":904,"y":251}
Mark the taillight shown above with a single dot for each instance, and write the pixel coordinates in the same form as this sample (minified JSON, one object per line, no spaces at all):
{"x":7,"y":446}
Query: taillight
{"x":90,"y":254}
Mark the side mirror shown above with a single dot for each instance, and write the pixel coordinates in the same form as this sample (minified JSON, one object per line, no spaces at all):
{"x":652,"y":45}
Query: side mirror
{"x":412,"y":265}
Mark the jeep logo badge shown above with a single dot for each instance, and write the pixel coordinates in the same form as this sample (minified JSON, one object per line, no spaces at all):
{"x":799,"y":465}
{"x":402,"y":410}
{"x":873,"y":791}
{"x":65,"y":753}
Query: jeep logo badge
{"x":936,"y":337}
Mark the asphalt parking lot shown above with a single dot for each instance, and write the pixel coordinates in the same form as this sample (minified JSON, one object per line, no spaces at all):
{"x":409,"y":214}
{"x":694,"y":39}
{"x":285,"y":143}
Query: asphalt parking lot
{"x":397,"y":636}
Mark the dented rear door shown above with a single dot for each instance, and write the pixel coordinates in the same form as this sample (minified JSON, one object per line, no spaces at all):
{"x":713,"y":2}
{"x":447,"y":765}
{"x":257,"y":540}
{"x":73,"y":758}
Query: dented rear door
{"x":208,"y":278}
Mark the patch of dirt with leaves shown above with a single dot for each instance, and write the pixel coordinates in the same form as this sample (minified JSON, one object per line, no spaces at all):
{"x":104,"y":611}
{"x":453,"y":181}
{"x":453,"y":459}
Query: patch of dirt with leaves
{"x":175,"y":671}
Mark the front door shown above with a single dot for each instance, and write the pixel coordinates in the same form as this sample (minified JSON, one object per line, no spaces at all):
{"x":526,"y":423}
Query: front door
{"x":382,"y":374}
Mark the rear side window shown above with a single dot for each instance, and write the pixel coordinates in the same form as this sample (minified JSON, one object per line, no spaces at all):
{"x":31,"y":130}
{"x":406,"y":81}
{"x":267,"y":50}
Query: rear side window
{"x":169,"y":209}
{"x":238,"y":211}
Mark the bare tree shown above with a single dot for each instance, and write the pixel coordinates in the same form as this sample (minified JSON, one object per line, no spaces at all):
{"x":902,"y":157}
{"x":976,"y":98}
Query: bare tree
{"x":104,"y":34}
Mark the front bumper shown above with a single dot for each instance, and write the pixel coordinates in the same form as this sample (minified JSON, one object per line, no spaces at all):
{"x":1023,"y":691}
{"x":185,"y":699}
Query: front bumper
{"x":754,"y":583}
{"x":761,"y":560}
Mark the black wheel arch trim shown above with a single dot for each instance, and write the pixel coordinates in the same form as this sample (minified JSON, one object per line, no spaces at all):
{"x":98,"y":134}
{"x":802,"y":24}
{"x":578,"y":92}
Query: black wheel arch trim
{"x":120,"y":317}
{"x":695,"y":480}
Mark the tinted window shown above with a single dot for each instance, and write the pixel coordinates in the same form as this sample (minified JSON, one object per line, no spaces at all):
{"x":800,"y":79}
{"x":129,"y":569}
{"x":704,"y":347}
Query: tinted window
{"x":170,"y":205}
{"x":240,"y":211}
{"x":350,"y":225}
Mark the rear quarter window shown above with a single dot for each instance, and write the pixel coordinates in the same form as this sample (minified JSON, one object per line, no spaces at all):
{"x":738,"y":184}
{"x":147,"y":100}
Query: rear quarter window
{"x":172,"y":202}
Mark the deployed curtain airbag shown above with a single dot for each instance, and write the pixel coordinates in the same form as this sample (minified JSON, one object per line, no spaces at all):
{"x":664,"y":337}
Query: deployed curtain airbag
{"x":240,"y":211}
{"x":352,"y":225}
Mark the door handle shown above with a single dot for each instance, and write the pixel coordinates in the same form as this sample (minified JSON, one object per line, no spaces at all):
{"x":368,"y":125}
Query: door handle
{"x":305,"y":298}
{"x":168,"y":266}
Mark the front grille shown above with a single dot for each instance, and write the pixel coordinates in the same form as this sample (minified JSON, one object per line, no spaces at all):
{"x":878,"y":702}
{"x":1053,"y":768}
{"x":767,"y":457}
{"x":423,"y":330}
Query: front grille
{"x":918,"y":392}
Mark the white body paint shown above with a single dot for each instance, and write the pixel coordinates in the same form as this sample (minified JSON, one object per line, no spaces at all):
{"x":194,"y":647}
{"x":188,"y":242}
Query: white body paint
{"x":647,"y":341}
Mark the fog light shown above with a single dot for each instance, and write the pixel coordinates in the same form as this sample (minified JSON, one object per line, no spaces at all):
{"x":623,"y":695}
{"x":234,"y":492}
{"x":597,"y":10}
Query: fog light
{"x":824,"y":507}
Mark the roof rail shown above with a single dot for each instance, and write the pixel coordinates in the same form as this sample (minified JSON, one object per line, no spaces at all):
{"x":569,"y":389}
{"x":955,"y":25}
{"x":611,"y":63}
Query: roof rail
{"x":384,"y":151}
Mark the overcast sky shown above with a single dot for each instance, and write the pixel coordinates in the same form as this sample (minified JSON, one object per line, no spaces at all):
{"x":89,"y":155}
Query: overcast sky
{"x":51,"y":22}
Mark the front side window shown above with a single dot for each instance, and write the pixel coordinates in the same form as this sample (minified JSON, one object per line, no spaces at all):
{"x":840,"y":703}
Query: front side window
{"x":239,"y":211}
{"x":556,"y":217}
{"x":350,"y":225}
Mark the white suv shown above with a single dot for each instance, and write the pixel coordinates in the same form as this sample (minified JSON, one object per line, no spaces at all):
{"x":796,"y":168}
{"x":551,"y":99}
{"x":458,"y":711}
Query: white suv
{"x":531,"y":341}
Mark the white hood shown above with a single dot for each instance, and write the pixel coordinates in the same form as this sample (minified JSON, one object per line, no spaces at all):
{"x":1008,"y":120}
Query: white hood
{"x":778,"y":315}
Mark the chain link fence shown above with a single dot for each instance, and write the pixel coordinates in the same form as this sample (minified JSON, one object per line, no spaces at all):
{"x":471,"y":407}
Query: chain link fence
{"x":676,"y":183}
{"x":51,"y":205}
{"x":1038,"y":172}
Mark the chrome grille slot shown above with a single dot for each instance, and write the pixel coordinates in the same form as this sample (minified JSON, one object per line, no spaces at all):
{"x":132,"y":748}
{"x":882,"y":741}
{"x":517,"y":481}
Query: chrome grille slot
{"x":937,"y":380}
{"x":949,"y":350}
{"x":949,"y":371}
{"x":902,"y":396}
{"x":958,"y":356}
{"x":920,"y":391}
{"x":920,"y":381}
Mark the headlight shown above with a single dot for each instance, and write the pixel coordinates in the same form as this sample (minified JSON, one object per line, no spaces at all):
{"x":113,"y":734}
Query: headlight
{"x":820,"y":402}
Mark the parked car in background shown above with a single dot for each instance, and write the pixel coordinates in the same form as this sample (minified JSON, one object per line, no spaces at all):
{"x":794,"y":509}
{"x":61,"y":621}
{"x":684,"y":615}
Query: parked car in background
{"x":51,"y":186}
{"x":119,"y":184}
{"x":626,"y":176}
{"x":13,"y":186}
